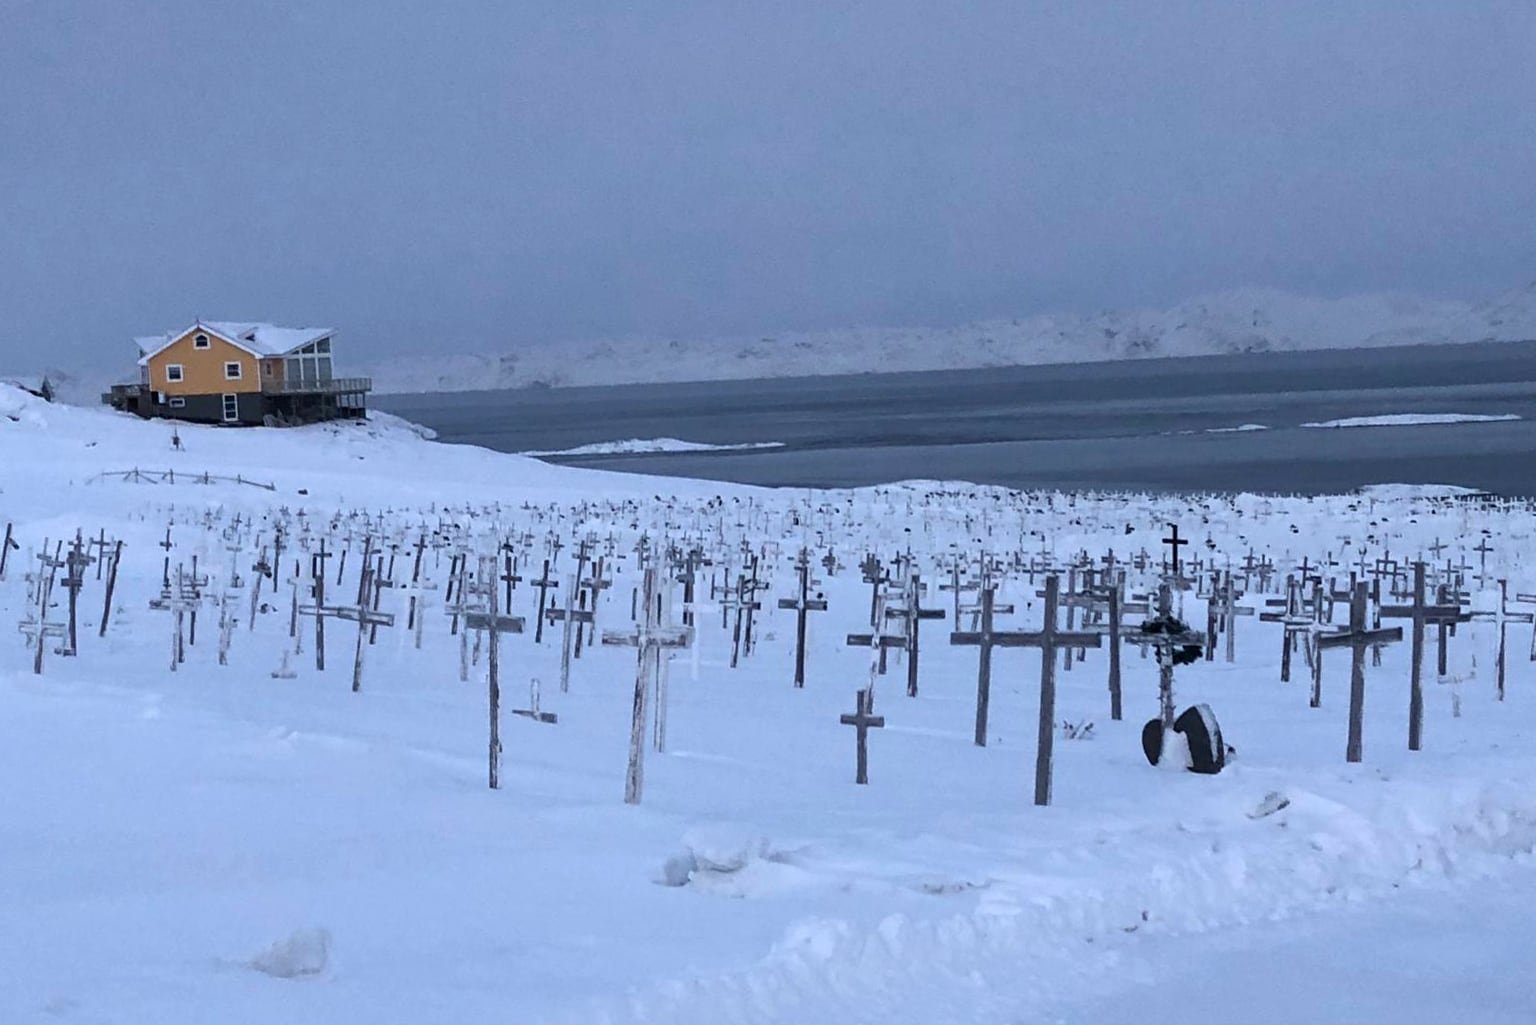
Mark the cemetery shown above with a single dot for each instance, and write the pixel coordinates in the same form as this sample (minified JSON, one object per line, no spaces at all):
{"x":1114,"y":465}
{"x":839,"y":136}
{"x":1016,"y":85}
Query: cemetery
{"x":551,"y":707}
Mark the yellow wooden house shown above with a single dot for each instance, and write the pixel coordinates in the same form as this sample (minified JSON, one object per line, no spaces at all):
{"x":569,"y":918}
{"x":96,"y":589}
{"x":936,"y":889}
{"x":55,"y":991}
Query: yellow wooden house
{"x":239,"y":373}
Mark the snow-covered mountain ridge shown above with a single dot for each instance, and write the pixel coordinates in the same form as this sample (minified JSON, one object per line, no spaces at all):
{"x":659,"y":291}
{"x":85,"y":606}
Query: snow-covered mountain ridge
{"x":1245,"y":320}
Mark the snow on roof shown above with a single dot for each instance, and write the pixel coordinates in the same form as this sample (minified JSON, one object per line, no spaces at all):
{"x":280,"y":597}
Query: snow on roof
{"x":268,"y":339}
{"x":256,"y":338}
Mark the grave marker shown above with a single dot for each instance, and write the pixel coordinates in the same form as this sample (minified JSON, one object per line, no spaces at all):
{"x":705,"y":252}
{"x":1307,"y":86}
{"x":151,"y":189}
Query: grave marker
{"x":862,"y":721}
{"x":1358,"y":637}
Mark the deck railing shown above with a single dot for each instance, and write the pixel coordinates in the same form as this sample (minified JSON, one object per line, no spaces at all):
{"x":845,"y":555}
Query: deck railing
{"x":335,"y":386}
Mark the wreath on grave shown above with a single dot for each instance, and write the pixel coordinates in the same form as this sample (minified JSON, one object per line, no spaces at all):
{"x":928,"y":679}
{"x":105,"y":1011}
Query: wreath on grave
{"x":1183,"y":654}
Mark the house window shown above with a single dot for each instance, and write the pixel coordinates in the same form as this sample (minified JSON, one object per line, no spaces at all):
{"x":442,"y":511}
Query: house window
{"x":232,"y":371}
{"x":200,"y":341}
{"x":231,"y":408}
{"x":177,"y":402}
{"x":172,"y":373}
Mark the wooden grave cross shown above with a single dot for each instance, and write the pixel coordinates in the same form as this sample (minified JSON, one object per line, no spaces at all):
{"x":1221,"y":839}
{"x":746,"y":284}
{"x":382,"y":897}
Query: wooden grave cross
{"x":1420,"y":614}
{"x":1048,"y":639}
{"x":650,"y":638}
{"x":106,"y":602}
{"x":912,"y":614}
{"x":743,"y":602}
{"x":862,"y":721}
{"x":37,"y":628}
{"x":533,"y":711}
{"x":74,"y":579}
{"x":1502,"y":615}
{"x":1482,"y":549}
{"x":1358,"y":637}
{"x":985,"y":638}
{"x":493,"y":623}
{"x":1165,"y":644}
{"x":803,"y":604}
{"x":1447,"y":594}
{"x":180,"y":600}
{"x":1111,"y":593}
{"x":1296,"y":620}
{"x":568,"y":616}
{"x":7,"y":546}
{"x":877,"y":641}
{"x":1225,"y":610}
{"x":544,"y":583}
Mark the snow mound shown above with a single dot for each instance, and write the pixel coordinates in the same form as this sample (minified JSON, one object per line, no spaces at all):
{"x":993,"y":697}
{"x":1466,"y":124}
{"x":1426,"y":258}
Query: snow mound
{"x":302,"y":953}
{"x":20,"y":406}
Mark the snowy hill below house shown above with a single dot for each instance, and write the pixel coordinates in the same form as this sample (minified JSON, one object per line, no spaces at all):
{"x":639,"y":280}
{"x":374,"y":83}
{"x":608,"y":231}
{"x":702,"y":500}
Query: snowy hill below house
{"x":1247,"y":320}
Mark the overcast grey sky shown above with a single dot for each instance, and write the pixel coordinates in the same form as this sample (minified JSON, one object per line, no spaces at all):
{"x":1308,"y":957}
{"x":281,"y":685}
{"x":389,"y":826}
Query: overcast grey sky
{"x":479,"y":175}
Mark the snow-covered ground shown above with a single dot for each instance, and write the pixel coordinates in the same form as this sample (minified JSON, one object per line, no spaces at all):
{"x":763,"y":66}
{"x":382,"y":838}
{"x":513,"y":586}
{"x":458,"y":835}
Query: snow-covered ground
{"x":222,"y":844}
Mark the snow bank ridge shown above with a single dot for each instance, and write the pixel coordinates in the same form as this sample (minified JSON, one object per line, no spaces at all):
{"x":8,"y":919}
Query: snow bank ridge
{"x":1268,"y":855}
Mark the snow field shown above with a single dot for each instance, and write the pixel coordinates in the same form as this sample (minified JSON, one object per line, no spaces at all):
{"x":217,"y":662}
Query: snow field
{"x":220,"y":845}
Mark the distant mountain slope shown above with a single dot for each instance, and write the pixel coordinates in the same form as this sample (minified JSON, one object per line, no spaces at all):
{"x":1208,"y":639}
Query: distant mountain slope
{"x":1246,"y":320}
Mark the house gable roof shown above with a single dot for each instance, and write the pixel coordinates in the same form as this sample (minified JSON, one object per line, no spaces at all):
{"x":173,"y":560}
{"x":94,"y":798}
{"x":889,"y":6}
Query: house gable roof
{"x":255,"y":338}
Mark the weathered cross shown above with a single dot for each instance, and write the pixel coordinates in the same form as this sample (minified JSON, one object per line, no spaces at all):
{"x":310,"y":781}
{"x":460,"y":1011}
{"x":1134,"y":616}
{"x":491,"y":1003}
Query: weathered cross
{"x":1420,"y":614}
{"x":1048,"y":638}
{"x":862,"y":721}
{"x":650,"y":638}
{"x":912,"y":614}
{"x":569,"y":616}
{"x":1166,"y":642}
{"x":1502,"y":615}
{"x":494,"y":623}
{"x":803,"y":604}
{"x":1358,"y":637}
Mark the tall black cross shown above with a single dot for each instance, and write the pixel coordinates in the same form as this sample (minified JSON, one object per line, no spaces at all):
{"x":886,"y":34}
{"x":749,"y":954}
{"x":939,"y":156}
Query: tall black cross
{"x":1174,"y":543}
{"x":544,"y":583}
